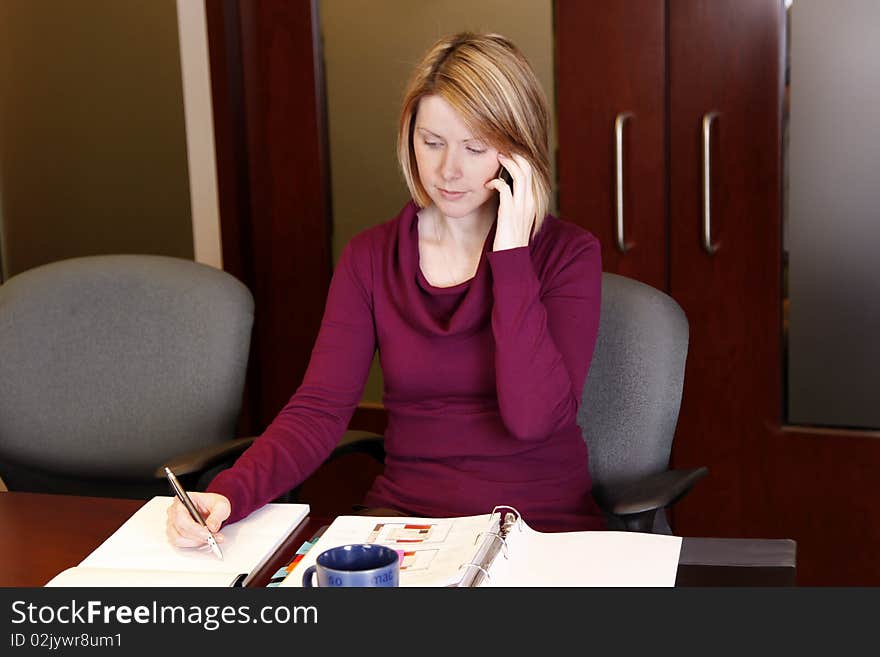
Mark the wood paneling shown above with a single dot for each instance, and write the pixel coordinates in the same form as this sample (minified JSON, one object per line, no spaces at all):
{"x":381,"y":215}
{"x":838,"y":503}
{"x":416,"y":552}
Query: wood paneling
{"x":822,"y":491}
{"x":814,"y":486}
{"x":272,"y":176}
{"x":610,"y":60}
{"x":233,"y":191}
{"x":726,"y":56}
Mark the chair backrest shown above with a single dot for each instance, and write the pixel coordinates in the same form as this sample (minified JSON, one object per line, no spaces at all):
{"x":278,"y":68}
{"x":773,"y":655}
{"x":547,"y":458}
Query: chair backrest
{"x":632,"y":394}
{"x":110,"y":365}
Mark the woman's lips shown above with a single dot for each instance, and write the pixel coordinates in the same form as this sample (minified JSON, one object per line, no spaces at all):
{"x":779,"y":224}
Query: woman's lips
{"x":450,"y":196}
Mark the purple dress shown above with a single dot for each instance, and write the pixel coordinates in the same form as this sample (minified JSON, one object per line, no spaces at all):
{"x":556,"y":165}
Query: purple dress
{"x":482,"y":380}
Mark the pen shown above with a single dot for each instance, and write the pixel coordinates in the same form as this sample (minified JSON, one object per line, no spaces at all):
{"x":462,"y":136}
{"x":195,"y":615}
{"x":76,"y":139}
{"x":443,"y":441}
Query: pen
{"x":187,"y":502}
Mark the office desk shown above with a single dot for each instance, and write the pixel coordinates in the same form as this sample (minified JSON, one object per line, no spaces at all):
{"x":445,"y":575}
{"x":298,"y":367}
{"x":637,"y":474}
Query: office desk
{"x":41,"y":535}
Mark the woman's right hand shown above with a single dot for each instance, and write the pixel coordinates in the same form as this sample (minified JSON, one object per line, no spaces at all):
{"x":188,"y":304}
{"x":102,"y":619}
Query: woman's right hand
{"x":183,"y":531}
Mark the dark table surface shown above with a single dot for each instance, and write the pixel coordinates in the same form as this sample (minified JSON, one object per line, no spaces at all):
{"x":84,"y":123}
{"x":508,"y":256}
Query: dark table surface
{"x":45,"y":534}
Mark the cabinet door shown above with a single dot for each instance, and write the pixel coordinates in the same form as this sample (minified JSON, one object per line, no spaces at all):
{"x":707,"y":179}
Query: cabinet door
{"x":610,"y":63}
{"x":725,"y":73}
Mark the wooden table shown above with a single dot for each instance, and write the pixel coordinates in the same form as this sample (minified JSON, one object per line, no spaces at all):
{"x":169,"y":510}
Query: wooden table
{"x":41,"y":535}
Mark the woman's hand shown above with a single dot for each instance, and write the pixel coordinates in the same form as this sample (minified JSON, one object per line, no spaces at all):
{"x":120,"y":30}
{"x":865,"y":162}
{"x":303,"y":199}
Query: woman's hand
{"x":516,"y":210}
{"x":183,"y":531}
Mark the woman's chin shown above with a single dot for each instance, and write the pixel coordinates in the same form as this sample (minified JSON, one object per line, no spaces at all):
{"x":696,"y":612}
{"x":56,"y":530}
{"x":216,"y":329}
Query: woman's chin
{"x":454,"y":212}
{"x":457,"y":209}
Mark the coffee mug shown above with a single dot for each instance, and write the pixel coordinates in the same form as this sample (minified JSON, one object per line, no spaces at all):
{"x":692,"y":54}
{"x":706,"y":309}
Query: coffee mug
{"x":362,"y":564}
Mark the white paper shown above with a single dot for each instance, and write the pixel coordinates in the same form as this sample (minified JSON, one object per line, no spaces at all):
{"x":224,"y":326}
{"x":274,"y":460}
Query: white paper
{"x":141,"y":545}
{"x":110,"y":577}
{"x":564,"y":559}
{"x":588,"y":558}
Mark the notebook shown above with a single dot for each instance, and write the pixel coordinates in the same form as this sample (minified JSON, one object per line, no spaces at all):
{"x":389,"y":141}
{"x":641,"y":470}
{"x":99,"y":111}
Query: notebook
{"x":500,"y":549}
{"x":139,"y":554}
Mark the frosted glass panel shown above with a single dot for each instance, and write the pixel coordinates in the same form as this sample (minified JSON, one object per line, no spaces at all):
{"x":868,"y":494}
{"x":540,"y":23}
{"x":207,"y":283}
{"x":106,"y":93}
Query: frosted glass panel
{"x":833,"y":214}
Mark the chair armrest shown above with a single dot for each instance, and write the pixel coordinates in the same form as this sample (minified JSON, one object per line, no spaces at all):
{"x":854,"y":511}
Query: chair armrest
{"x":352,"y":442}
{"x":360,"y":442}
{"x":202,"y":459}
{"x":650,"y":493}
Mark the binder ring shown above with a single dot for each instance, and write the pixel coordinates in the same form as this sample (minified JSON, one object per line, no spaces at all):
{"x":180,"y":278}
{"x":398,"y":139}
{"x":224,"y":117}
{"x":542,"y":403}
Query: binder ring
{"x":508,"y":509}
{"x":478,"y":567}
{"x":496,"y":535}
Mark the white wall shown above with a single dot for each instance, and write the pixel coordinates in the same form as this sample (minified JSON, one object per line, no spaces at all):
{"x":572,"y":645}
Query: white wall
{"x":199,"y":117}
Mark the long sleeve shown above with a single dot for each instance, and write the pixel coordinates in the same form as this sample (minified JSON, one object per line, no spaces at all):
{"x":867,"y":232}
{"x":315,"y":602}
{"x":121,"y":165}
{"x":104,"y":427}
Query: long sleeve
{"x":545,"y":332}
{"x":481,"y":381}
{"x":304,"y":433}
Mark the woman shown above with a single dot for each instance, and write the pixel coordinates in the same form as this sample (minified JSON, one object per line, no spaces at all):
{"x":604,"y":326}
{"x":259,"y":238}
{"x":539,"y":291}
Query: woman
{"x":484,"y":310}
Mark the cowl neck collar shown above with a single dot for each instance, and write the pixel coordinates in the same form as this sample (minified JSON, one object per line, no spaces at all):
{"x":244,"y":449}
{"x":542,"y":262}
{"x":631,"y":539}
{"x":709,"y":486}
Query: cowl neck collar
{"x":416,"y":297}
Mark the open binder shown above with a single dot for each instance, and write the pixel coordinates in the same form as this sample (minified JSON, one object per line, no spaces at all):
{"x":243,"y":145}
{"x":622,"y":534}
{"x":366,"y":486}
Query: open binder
{"x":500,"y":549}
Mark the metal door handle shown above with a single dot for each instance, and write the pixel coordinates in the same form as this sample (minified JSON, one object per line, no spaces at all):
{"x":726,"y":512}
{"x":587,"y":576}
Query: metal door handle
{"x":708,"y":245}
{"x":618,"y":138}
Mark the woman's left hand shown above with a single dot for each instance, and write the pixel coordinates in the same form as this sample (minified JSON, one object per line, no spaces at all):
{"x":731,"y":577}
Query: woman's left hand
{"x":516,"y":209}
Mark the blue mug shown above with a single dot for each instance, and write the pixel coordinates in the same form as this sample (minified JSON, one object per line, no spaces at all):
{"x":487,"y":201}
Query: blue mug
{"x":362,"y":564}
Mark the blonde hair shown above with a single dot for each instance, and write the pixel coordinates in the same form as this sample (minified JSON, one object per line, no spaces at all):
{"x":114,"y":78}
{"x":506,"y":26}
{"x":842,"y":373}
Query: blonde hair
{"x":489,"y":82}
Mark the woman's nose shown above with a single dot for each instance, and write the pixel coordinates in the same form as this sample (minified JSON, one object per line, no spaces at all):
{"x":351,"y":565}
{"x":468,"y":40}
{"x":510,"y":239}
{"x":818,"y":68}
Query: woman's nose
{"x":450,"y":167}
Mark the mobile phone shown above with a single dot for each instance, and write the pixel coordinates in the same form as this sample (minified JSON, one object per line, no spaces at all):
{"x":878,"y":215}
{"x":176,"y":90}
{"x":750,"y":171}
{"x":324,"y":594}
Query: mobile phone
{"x":504,"y":174}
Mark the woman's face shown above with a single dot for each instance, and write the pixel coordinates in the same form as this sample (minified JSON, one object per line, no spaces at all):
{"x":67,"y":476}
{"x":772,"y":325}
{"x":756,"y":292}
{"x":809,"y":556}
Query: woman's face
{"x":454,"y":165}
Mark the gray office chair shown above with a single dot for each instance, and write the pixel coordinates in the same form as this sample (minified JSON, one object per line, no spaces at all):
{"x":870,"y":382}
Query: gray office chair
{"x":628,"y":413}
{"x":630,"y":404}
{"x":111,"y":366}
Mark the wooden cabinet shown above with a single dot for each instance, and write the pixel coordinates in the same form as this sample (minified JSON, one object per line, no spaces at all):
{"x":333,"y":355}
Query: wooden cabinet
{"x":691,"y":78}
{"x":673,"y":66}
{"x":726,"y":79}
{"x":610,"y":69}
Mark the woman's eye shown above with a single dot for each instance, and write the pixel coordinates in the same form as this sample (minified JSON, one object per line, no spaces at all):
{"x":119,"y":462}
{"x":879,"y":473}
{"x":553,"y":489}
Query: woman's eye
{"x":476,"y":151}
{"x":433,"y":144}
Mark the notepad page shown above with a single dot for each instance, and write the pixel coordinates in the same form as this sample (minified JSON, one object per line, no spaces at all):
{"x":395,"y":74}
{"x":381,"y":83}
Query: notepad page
{"x":141,"y":544}
{"x":111,"y":577}
{"x":588,"y":558}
